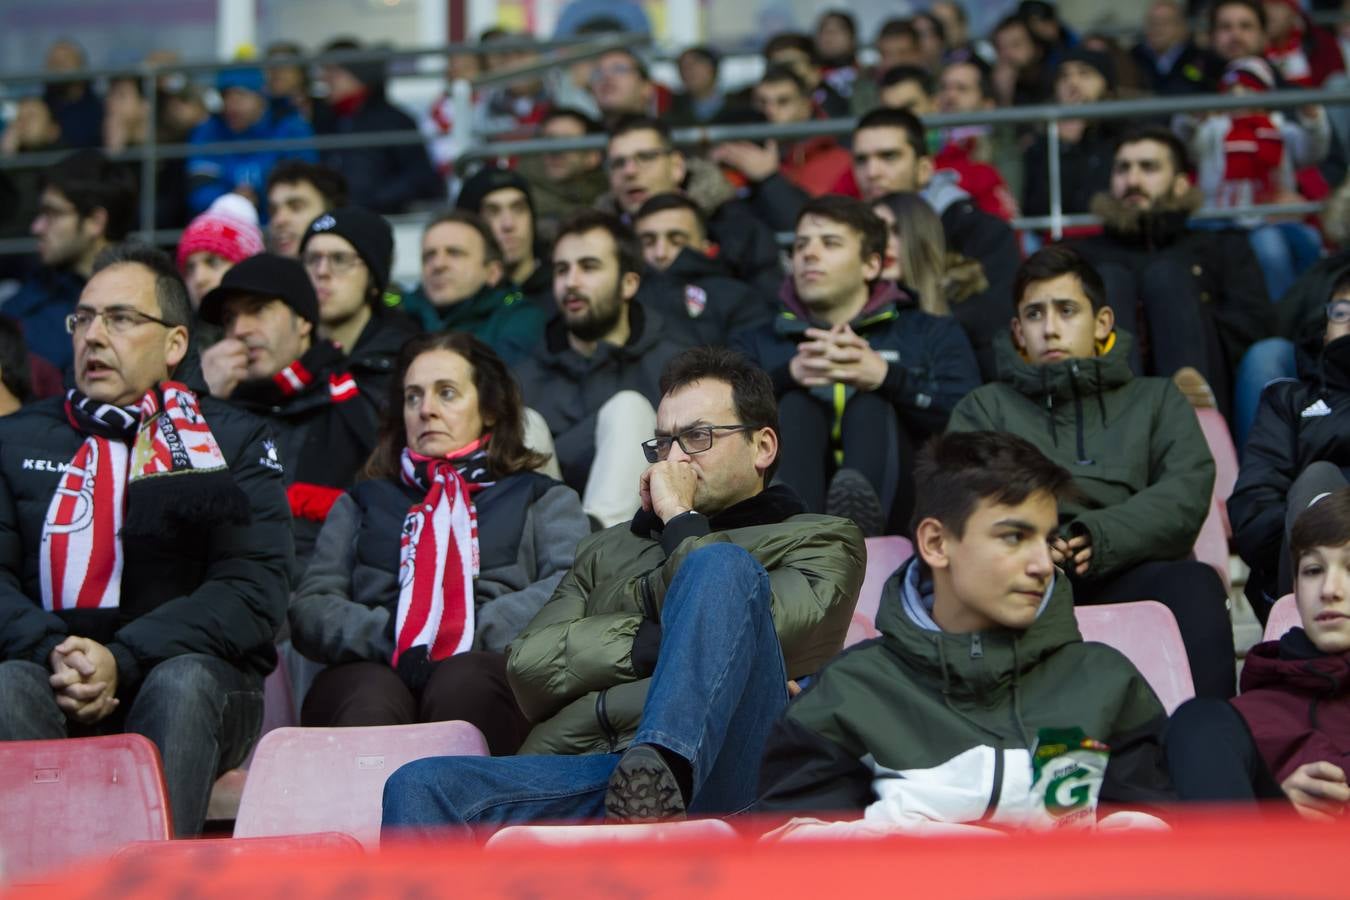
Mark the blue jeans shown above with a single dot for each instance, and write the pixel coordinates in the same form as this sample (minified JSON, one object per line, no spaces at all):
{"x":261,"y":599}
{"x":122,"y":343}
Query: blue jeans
{"x":1264,"y":362}
{"x":1285,"y":250}
{"x":718,"y":687}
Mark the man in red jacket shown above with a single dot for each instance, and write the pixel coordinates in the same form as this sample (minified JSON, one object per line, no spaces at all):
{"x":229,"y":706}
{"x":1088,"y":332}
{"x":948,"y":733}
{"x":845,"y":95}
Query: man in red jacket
{"x":1288,"y":732}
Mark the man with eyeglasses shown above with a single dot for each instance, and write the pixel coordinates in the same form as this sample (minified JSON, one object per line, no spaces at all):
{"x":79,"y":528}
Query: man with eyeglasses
{"x":1298,"y":450}
{"x":642,"y":162}
{"x":145,"y":545}
{"x":86,"y":204}
{"x":656,"y":671}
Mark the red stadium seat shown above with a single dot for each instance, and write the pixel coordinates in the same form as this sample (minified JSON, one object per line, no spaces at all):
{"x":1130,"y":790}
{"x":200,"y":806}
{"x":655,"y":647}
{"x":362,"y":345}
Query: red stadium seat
{"x":209,"y":852}
{"x":278,"y":712}
{"x":1283,"y":616}
{"x":1147,"y":634}
{"x":307,"y":780}
{"x":517,"y":836}
{"x":884,"y":556}
{"x":1221,"y":447}
{"x":860,"y":629}
{"x":1211,"y":544}
{"x":75,"y":798}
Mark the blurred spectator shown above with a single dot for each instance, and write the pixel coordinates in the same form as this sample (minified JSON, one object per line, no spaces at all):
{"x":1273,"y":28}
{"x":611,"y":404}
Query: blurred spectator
{"x":1305,"y":54}
{"x":932,"y":41}
{"x":643,"y":162}
{"x":1138,"y":457}
{"x":864,"y":376}
{"x":32,"y":130}
{"x":77,"y":109}
{"x":1171,"y":60}
{"x":126,"y":123}
{"x":298,"y":192}
{"x":86,"y":203}
{"x":1022,"y":72}
{"x":1301,"y":427}
{"x":1042,"y":17}
{"x":160,"y":601}
{"x":288,"y":88}
{"x":518,"y":105}
{"x":917,"y":257}
{"x":1249,"y":156}
{"x":505,"y":202}
{"x":1192,"y":297}
{"x":623,"y":87}
{"x":384,"y":179}
{"x":16,"y":388}
{"x":813,"y":164}
{"x":897,"y":46}
{"x":348,"y":253}
{"x":595,"y":377}
{"x":1129,"y":82}
{"x":986,"y":157}
{"x":798,"y":52}
{"x":321,"y":406}
{"x":685,"y":281}
{"x":1237,"y":29}
{"x":455,"y":441}
{"x":562,"y":183}
{"x":438,"y":122}
{"x":837,"y":47}
{"x":702,"y":99}
{"x":465,"y":288}
{"x":952,"y":15}
{"x":243,"y":116}
{"x":1085,"y":147}
{"x":906,"y":87}
{"x":214,"y":241}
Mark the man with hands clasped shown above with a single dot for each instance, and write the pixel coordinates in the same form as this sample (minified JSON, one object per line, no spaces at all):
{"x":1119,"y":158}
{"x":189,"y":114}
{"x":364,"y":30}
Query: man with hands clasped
{"x":862,"y":375}
{"x":655,"y":672}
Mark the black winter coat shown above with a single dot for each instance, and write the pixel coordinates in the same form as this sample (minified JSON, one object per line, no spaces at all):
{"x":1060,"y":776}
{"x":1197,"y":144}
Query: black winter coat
{"x":222,"y":592}
{"x":699,"y":301}
{"x":385,"y":179}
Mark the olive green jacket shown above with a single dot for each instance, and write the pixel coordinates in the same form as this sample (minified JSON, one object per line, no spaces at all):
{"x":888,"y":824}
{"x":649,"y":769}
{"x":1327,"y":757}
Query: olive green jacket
{"x":572,"y":669}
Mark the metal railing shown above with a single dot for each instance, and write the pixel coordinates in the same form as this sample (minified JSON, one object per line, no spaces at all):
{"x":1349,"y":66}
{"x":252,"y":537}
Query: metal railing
{"x":468,"y":149}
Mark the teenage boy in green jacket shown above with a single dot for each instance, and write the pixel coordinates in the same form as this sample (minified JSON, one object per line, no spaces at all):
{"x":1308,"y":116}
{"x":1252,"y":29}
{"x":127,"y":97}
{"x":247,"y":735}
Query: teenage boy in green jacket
{"x":980,"y":704}
{"x":1133,"y":445}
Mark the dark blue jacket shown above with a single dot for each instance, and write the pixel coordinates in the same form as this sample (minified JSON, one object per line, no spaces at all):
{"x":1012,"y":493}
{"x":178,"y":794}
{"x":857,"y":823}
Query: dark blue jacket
{"x":931,"y":363}
{"x":40,"y":307}
{"x":212,"y":174}
{"x":385,"y":179}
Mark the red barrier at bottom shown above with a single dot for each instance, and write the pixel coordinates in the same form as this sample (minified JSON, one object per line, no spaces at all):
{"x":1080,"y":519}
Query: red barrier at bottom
{"x":1220,"y":857}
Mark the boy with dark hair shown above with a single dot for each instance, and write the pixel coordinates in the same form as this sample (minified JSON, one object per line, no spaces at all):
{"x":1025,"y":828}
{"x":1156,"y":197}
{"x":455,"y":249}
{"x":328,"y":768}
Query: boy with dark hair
{"x":298,"y":192}
{"x":1140,"y":462}
{"x":815,"y":165}
{"x":1287,"y":735}
{"x":863,"y":374}
{"x":686,"y":282}
{"x":971,"y":706}
{"x":650,"y":694}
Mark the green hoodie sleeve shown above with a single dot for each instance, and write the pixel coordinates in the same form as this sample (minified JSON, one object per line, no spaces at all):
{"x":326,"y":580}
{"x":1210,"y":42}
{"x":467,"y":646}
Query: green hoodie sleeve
{"x":1162,"y":521}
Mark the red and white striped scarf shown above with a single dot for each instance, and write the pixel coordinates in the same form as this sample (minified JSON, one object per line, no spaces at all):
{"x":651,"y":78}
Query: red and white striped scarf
{"x":80,"y":557}
{"x":438,"y":553}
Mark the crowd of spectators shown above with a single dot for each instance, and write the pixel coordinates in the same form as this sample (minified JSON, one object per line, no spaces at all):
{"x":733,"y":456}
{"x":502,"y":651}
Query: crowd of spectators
{"x":520,"y":491}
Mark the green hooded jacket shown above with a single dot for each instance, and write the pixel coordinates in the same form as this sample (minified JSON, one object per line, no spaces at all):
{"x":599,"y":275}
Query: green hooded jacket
{"x":920,"y":725}
{"x":1133,"y":445}
{"x":500,"y":317}
{"x":572,"y":667}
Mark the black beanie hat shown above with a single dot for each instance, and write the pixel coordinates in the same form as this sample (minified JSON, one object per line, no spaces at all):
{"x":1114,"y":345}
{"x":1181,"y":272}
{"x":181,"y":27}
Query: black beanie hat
{"x":366,"y":231}
{"x":268,"y":276}
{"x":485,"y":181}
{"x":1100,"y":61}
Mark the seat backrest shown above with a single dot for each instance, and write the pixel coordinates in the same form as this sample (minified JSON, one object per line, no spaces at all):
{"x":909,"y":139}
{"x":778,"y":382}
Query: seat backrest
{"x":884,"y":556}
{"x":1146,"y":632}
{"x":1211,"y":544}
{"x":647,"y":832}
{"x":65,"y":800}
{"x":306,"y":780}
{"x":1283,"y":616}
{"x":1221,"y":447}
{"x":860,"y":629}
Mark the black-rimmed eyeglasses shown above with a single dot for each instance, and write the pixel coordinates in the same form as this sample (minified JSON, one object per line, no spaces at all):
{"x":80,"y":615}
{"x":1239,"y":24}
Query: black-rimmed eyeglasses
{"x":691,"y":440}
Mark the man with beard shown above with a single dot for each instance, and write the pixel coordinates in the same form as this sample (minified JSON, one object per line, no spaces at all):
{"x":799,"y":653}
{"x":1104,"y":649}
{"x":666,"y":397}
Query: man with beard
{"x":1196,"y":299}
{"x":594,"y":377}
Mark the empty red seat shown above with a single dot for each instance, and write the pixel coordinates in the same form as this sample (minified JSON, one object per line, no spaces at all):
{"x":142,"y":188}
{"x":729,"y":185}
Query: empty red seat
{"x":1211,"y":545}
{"x":70,"y":799}
{"x":516,"y":836}
{"x":210,"y":851}
{"x":1221,"y":447}
{"x":307,"y":780}
{"x":884,"y":556}
{"x":1146,"y":632}
{"x":1283,"y":616}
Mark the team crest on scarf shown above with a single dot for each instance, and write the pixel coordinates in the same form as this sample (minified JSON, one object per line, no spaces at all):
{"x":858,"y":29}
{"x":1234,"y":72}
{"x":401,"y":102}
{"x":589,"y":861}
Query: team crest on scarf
{"x":695,"y":300}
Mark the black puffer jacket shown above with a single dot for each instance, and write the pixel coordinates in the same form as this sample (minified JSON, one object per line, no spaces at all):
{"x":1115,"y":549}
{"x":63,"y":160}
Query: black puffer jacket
{"x":699,"y":300}
{"x":385,"y":179}
{"x":568,"y":389}
{"x":1298,"y":423}
{"x":222,"y":592}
